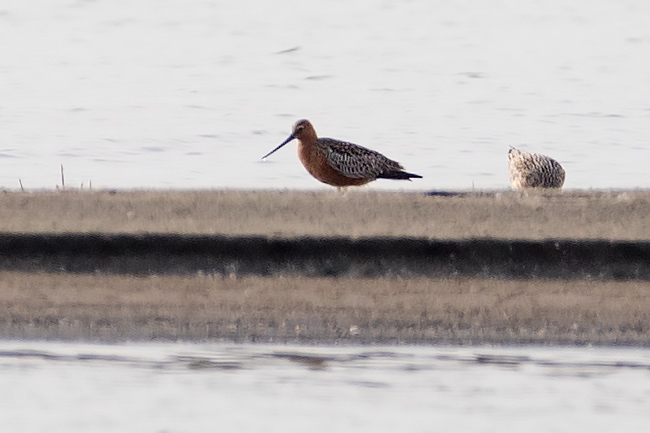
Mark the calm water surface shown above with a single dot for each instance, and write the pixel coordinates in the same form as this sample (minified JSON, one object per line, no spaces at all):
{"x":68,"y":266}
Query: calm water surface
{"x":61,"y":387}
{"x":191,"y":93}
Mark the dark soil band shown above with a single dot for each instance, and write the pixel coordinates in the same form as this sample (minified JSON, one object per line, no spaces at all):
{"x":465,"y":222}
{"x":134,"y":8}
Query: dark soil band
{"x":325,"y":257}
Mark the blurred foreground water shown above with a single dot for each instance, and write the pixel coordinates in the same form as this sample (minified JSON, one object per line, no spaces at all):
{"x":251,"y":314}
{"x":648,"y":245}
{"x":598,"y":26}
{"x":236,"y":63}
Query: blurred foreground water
{"x":156,"y":387}
{"x":191,"y":93}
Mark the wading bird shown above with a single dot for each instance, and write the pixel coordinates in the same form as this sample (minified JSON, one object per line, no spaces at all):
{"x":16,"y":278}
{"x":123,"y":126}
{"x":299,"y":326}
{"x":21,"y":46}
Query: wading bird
{"x":532,"y":170}
{"x":339,"y":163}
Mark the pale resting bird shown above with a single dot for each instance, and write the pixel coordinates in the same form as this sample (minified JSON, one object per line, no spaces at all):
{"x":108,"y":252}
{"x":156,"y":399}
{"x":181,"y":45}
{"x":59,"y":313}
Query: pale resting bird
{"x":532,"y":170}
{"x":339,"y":163}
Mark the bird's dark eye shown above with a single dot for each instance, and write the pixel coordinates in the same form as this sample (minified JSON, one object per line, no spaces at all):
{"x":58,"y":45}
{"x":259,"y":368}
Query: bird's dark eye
{"x":300,"y":128}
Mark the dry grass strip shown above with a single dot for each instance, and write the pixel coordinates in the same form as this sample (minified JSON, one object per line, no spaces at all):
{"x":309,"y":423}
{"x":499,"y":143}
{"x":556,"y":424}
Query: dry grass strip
{"x":507,"y":215}
{"x":322,"y":310}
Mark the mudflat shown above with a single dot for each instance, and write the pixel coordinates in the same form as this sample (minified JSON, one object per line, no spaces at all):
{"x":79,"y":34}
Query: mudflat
{"x":324,"y":310}
{"x":294,"y":307}
{"x":622,"y":215}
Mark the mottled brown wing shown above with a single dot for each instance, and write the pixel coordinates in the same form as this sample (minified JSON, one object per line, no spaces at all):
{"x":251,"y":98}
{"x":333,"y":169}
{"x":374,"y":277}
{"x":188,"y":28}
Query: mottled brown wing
{"x":532,"y":170}
{"x":355,"y":161}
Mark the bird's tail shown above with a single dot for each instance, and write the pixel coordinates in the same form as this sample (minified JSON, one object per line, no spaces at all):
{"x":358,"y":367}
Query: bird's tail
{"x":400,"y":175}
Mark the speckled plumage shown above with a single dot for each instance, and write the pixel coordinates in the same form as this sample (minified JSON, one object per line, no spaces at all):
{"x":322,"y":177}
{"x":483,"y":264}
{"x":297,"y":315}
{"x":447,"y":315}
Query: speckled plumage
{"x":339,"y":163}
{"x":532,"y":170}
{"x":355,"y":161}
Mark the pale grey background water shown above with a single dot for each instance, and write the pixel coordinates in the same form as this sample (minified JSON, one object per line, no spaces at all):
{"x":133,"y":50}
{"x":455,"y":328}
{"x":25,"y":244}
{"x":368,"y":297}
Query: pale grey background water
{"x":58,"y":387}
{"x":191,"y":93}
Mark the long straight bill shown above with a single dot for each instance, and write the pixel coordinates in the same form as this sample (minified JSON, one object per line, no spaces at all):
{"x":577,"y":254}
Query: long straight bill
{"x":291,"y":137}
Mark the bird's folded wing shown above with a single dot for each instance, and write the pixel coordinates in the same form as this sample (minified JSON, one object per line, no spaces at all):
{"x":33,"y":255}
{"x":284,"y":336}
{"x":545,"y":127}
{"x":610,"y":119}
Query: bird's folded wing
{"x":357,"y":162}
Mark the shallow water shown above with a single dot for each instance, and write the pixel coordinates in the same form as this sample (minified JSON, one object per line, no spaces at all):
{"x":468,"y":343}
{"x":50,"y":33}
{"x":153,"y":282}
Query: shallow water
{"x":154,"y":387}
{"x":191,"y":94}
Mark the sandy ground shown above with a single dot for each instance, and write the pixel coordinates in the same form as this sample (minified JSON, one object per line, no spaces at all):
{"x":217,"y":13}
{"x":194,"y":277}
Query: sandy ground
{"x":324,"y":310}
{"x":451,"y":309}
{"x":504,"y":215}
